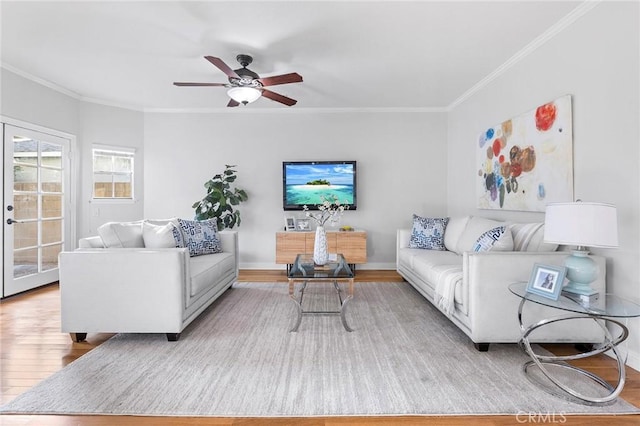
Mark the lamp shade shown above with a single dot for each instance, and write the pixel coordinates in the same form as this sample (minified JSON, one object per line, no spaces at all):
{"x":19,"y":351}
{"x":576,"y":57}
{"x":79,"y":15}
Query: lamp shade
{"x":581,"y":224}
{"x":244,"y":95}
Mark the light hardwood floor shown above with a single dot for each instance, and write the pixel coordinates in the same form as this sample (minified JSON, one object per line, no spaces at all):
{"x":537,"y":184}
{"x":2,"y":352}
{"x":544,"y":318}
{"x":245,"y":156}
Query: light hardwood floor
{"x":32,"y":348}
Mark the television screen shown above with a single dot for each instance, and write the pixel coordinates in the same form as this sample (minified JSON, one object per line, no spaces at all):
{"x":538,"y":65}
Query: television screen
{"x":306,"y":182}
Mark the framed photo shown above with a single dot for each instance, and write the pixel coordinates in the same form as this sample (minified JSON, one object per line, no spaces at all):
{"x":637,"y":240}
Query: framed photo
{"x":546,"y":280}
{"x":303,"y":224}
{"x":289,"y":223}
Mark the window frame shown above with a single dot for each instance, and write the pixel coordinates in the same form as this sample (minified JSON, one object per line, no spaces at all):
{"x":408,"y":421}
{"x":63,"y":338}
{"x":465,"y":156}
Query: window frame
{"x":113,"y":151}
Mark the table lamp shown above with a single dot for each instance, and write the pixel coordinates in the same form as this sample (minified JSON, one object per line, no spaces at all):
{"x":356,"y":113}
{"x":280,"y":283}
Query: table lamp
{"x":583,"y":225}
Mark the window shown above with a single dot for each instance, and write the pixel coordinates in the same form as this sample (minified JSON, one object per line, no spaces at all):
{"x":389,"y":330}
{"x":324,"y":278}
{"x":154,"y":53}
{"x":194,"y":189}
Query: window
{"x":113,"y":173}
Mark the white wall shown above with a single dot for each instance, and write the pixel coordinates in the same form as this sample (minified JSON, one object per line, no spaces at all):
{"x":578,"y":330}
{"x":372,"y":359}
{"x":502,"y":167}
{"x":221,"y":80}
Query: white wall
{"x":118,"y":127}
{"x":596,"y":60}
{"x":29,"y":104}
{"x":25,"y":100}
{"x":33,"y":103}
{"x":401,"y":169}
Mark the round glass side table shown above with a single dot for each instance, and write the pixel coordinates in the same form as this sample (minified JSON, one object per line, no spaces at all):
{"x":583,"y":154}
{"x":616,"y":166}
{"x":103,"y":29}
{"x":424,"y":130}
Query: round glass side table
{"x":607,"y":309}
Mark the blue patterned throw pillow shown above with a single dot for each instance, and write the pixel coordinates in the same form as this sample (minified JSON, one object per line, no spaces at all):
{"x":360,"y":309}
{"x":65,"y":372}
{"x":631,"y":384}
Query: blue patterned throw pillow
{"x":178,"y":237}
{"x":428,"y":233}
{"x":200,"y":237}
{"x":497,"y":239}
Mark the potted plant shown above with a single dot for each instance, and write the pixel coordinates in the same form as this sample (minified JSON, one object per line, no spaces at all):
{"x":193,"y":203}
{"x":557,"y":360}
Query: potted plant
{"x":220,"y":199}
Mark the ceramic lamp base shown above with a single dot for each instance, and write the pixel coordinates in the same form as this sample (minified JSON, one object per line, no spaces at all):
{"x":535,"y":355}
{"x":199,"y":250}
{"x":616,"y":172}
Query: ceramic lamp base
{"x":581,"y":272}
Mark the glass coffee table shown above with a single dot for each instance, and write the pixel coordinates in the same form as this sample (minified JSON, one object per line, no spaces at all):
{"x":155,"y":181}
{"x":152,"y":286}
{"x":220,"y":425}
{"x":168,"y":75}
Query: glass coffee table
{"x":306,"y":271}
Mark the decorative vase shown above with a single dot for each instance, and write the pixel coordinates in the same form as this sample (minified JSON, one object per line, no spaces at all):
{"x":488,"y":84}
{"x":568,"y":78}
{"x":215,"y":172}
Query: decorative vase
{"x":320,"y":248}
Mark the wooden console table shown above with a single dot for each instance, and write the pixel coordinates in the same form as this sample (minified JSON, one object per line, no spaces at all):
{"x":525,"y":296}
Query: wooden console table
{"x":351,"y":244}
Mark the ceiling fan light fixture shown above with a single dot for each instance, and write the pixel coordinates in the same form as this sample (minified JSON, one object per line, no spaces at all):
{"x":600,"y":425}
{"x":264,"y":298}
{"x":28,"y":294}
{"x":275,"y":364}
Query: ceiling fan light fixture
{"x":244,"y":95}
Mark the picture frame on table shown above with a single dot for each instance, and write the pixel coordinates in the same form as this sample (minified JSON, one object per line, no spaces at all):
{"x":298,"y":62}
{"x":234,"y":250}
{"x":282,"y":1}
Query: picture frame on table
{"x":546,"y":280}
{"x":303,"y":225}
{"x":289,"y":223}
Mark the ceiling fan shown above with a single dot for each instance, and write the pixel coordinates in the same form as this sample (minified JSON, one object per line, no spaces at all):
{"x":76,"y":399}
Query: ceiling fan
{"x":245,"y":86}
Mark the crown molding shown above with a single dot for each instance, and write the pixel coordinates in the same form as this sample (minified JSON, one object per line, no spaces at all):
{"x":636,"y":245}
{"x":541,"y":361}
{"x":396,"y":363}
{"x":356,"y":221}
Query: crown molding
{"x":40,"y":81}
{"x":543,"y":38}
{"x":65,"y":91}
{"x":112,"y":104}
{"x":217,"y":110}
{"x":555,"y":29}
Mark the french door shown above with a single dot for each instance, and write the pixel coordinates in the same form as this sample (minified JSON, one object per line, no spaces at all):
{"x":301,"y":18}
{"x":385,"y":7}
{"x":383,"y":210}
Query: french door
{"x":36,"y":225}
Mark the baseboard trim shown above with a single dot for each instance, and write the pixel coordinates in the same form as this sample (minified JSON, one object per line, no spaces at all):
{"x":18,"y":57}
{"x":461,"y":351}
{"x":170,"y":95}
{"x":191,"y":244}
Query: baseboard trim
{"x":633,"y":359}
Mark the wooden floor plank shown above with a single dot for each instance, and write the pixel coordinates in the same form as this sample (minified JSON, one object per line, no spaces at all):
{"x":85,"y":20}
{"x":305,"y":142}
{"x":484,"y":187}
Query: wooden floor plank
{"x":32,"y":348}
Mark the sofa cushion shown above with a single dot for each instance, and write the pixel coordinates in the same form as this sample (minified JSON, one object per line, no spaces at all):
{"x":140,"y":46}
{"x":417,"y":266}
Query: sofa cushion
{"x":91,"y":242}
{"x":428,"y":233}
{"x":497,"y":239}
{"x":417,"y":259}
{"x":448,"y":290}
{"x":173,"y":220}
{"x":158,"y":236}
{"x":200,"y":237}
{"x":121,"y":234}
{"x":206,"y":271}
{"x":530,"y":237}
{"x":476,"y":226}
{"x":428,"y":264}
{"x":177,"y":233}
{"x":454,"y":230}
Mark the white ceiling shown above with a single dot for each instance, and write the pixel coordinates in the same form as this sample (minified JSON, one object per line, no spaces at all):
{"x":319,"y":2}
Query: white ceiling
{"x":357,"y":54}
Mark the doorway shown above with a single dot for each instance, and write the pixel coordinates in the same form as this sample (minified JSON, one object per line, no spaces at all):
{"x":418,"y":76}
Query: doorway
{"x":37,"y":207}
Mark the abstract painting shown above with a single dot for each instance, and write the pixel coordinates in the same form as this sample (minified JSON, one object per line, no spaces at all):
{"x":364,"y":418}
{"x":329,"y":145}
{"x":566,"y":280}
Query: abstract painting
{"x":527,"y":162}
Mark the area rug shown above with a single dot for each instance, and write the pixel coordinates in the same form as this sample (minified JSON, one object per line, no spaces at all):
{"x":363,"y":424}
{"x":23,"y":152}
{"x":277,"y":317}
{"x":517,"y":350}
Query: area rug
{"x":239,"y":359}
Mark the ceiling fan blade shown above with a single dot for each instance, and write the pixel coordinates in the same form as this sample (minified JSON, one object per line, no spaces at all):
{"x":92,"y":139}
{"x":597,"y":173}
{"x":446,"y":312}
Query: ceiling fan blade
{"x":293,"y":77}
{"x":233,"y":103}
{"x":278,"y":98}
{"x":222,"y":66}
{"x":198,"y":84}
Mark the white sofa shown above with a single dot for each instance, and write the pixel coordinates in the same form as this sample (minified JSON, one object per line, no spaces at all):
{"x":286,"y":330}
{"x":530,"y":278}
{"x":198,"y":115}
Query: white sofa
{"x":136,"y":289}
{"x":471,"y":288}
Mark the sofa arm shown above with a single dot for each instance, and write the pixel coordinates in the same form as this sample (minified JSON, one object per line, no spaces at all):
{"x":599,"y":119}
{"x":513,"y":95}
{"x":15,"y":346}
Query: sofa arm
{"x":123,"y":290}
{"x":229,"y":241}
{"x":493,"y":309}
{"x":402,"y":241}
{"x":403,"y":236}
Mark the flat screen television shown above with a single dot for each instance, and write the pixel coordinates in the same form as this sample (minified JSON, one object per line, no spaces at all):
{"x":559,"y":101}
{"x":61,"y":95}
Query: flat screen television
{"x":304,"y":183}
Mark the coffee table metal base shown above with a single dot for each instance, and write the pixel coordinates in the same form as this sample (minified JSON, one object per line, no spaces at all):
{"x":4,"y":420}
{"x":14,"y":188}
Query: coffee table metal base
{"x":343,"y":302}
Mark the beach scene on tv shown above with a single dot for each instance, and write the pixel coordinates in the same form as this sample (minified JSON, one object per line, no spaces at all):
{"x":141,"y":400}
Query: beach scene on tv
{"x":308,"y":183}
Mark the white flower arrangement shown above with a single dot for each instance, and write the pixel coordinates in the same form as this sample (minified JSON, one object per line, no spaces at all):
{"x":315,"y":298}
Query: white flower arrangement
{"x":330,"y":210}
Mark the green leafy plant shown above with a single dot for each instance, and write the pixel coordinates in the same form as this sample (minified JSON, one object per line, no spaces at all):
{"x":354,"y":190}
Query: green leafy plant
{"x":220,"y":199}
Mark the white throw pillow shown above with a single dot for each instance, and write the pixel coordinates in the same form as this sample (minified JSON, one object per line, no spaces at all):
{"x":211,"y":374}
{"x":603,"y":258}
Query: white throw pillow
{"x":496,"y":239}
{"x":454,"y":230}
{"x":475,"y":227}
{"x":158,"y":236}
{"x":121,"y":234}
{"x":530,"y":237}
